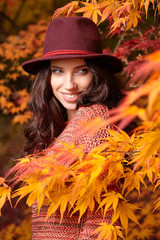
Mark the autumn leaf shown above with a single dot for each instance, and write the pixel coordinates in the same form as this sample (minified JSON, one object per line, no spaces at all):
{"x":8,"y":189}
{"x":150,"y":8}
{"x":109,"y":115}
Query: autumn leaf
{"x":5,"y":193}
{"x":2,"y":180}
{"x":146,"y":3}
{"x":91,"y":10}
{"x":62,"y":203}
{"x":118,"y":23}
{"x":70,"y":155}
{"x":22,"y":118}
{"x":108,"y":231}
{"x":157,"y":203}
{"x":133,"y":19}
{"x":123,"y":9}
{"x":148,"y":151}
{"x":111,"y":199}
{"x":67,"y":10}
{"x":2,"y":66}
{"x":132,"y":180}
{"x":6,"y":91}
{"x":125,"y":212}
{"x":157,"y":184}
{"x":110,"y":8}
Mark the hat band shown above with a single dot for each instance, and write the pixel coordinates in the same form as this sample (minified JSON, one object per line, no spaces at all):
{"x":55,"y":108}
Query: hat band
{"x":70,"y":51}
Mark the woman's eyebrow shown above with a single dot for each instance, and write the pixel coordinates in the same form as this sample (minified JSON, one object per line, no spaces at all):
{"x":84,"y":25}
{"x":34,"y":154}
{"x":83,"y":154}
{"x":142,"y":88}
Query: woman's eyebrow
{"x":81,"y":66}
{"x":54,"y":66}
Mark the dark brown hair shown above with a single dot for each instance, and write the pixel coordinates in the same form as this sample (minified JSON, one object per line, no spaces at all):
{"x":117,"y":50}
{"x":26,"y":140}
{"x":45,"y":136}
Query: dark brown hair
{"x":49,"y":116}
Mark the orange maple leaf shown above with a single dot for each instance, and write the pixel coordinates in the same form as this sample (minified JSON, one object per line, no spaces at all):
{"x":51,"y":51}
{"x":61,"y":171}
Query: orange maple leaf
{"x":108,"y":231}
{"x":91,"y":10}
{"x":133,"y":17}
{"x":125,"y":212}
{"x":5,"y":193}
{"x":67,"y":10}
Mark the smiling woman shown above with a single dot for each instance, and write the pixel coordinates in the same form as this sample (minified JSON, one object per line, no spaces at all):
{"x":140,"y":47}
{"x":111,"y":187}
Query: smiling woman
{"x":69,"y":79}
{"x":74,"y":83}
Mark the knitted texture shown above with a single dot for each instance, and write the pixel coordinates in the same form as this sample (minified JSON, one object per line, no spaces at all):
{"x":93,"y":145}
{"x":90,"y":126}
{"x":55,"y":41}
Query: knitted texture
{"x":84,"y":115}
{"x":70,"y":229}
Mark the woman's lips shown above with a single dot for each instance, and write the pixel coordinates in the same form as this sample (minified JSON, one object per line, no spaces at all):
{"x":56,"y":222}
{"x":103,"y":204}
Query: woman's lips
{"x":70,"y":97}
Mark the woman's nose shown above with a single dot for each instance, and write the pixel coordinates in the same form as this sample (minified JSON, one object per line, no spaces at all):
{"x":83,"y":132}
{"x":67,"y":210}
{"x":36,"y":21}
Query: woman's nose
{"x":69,"y":82}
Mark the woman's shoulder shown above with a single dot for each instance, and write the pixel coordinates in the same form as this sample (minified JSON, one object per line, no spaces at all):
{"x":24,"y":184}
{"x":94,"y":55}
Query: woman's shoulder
{"x":93,"y":111}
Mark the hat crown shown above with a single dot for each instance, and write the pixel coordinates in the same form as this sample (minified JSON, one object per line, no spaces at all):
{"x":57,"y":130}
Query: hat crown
{"x":72,"y":33}
{"x":72,"y":37}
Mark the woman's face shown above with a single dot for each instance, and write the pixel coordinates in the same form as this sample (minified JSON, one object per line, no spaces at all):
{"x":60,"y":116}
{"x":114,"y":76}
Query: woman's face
{"x":69,"y":79}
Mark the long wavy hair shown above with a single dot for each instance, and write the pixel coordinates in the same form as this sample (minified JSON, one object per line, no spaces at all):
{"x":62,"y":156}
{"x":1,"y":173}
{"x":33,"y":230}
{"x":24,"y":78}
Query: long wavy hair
{"x":49,"y":116}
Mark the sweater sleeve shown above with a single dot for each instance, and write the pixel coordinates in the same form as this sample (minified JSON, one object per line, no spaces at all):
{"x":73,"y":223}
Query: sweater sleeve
{"x":84,"y":115}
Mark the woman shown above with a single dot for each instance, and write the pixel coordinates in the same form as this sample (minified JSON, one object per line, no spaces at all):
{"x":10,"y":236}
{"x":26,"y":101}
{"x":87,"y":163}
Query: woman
{"x":74,"y":82}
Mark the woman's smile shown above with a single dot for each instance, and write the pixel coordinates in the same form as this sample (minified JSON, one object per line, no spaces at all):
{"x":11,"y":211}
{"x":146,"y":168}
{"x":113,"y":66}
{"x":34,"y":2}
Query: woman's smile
{"x":69,"y":79}
{"x":71,"y":97}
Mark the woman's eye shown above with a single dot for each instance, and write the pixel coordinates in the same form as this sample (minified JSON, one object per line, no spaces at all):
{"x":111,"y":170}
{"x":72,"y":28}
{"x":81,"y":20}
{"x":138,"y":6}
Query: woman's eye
{"x":83,"y":71}
{"x":56,"y":71}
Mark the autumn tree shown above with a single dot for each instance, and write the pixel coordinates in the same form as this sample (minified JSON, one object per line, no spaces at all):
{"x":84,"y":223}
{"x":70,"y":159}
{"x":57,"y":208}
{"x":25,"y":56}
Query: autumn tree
{"x":132,"y":32}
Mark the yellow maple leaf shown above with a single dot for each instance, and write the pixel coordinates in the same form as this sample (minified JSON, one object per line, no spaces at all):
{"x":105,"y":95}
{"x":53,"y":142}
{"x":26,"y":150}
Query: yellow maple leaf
{"x":108,"y":232}
{"x":125,"y":212}
{"x":111,"y":199}
{"x":157,"y":202}
{"x":133,"y":19}
{"x":67,"y":10}
{"x":118,"y":23}
{"x":5,"y":193}
{"x":91,"y":10}
{"x":157,"y":184}
{"x":148,"y":151}
{"x":146,"y":3}
{"x":59,"y":199}
{"x":132,"y":180}
{"x":110,"y":8}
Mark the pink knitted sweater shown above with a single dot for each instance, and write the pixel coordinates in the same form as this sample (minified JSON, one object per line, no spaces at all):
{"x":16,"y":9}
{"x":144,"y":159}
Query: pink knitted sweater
{"x":70,"y":229}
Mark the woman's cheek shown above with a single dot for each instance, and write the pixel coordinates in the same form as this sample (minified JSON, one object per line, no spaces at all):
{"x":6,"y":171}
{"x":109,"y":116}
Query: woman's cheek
{"x":55,"y":82}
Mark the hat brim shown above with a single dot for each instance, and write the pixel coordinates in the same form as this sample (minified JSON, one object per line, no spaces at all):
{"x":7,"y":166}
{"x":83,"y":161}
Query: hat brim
{"x":112,"y":63}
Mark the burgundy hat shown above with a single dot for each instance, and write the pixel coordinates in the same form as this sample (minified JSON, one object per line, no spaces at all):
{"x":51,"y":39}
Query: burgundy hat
{"x":72,"y":37}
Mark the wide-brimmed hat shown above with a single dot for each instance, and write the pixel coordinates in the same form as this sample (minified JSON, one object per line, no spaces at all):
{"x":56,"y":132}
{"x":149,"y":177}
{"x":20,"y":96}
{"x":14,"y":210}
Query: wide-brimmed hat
{"x":72,"y":37}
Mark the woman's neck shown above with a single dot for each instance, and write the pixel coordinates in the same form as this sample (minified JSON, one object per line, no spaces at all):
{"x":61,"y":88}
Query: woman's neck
{"x":70,"y":114}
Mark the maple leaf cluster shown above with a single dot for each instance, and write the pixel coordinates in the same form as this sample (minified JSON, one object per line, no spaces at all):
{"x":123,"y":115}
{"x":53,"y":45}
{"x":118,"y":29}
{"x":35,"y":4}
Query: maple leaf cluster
{"x":146,"y":137}
{"x":120,"y":13}
{"x":13,"y":52}
{"x":134,"y":44}
{"x":76,"y":187}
